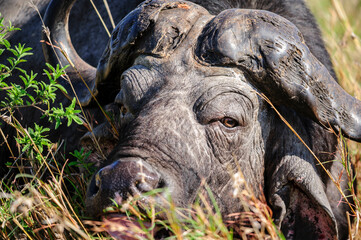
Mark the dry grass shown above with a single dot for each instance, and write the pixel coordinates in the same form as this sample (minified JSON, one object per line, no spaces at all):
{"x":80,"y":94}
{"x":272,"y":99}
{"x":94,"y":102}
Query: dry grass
{"x":341,"y":27}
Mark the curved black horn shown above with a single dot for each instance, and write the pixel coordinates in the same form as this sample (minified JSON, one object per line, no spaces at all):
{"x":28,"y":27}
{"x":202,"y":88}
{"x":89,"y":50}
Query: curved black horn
{"x":56,"y":19}
{"x":271,"y":50}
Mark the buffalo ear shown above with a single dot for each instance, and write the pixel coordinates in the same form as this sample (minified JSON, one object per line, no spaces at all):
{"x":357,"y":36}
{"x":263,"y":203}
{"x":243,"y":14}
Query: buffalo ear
{"x":300,"y":216}
{"x":294,"y":187}
{"x":300,"y":205}
{"x":272,"y":53}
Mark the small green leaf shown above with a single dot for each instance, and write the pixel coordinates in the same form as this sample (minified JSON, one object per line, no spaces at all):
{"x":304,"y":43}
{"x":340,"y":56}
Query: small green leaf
{"x":77,"y":120}
{"x":50,"y":67}
{"x":6,"y":43}
{"x":61,"y":88}
{"x":10,"y":60}
{"x":14,"y":52}
{"x":57,"y":123}
{"x":69,"y":121}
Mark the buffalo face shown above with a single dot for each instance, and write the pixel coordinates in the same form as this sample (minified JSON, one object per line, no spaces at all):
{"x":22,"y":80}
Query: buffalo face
{"x":185,"y":121}
{"x":182,"y":124}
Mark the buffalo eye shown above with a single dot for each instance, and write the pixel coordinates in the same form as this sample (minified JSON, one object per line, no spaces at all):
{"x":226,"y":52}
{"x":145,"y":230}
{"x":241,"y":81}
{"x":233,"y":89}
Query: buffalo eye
{"x":229,"y":122}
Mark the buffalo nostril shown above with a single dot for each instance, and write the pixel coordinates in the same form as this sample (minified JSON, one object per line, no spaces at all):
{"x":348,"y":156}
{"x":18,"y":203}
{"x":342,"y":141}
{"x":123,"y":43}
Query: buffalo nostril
{"x":96,"y":183}
{"x":94,"y":186}
{"x":147,"y":184}
{"x":123,"y":177}
{"x":146,"y":180}
{"x":161,"y":184}
{"x":143,"y":187}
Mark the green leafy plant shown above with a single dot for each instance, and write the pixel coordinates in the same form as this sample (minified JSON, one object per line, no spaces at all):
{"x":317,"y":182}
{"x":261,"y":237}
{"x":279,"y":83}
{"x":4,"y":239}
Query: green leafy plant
{"x":30,"y":93}
{"x":23,"y":187}
{"x":34,"y":137}
{"x":81,"y":157}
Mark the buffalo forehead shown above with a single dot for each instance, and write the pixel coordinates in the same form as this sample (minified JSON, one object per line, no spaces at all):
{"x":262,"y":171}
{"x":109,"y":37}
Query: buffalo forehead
{"x":169,"y":30}
{"x":153,"y":77}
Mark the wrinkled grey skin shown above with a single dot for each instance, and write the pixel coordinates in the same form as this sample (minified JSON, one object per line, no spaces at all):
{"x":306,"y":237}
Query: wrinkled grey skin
{"x":180,"y":97}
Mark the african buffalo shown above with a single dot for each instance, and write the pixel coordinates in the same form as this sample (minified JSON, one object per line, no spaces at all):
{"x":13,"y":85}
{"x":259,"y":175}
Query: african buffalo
{"x":186,"y":78}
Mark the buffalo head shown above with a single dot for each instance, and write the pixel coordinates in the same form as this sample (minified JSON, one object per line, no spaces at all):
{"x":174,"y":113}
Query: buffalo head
{"x":188,"y":88}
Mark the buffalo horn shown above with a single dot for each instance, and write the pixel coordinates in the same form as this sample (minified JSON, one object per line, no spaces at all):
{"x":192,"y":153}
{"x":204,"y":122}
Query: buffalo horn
{"x":271,"y":51}
{"x":57,"y":19}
